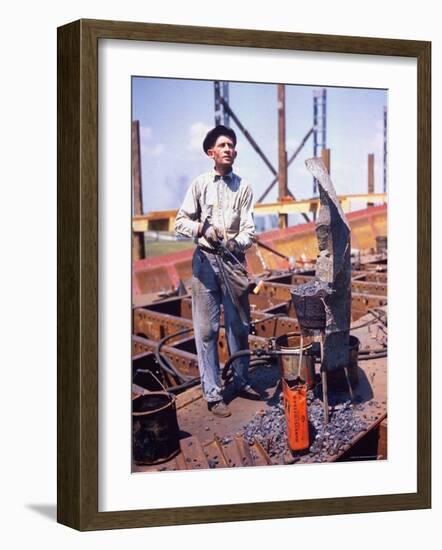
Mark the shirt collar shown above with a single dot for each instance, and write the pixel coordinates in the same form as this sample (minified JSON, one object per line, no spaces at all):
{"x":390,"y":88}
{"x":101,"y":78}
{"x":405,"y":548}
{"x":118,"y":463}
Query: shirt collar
{"x":227,"y":177}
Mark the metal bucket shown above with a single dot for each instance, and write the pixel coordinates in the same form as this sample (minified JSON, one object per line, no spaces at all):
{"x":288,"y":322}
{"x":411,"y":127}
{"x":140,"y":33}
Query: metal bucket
{"x":310,"y":310}
{"x":289,"y":364}
{"x":155,"y":429}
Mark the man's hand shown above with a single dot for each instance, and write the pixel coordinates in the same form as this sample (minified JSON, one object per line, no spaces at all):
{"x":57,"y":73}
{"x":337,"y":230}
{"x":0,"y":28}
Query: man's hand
{"x":212,"y":234}
{"x":233,"y":247}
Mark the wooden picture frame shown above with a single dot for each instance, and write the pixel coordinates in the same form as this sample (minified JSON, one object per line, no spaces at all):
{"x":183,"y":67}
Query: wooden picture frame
{"x":78,"y":274}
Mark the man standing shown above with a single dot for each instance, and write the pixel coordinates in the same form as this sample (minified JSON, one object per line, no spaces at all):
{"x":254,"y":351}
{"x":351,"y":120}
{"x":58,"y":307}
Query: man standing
{"x":217,"y":213}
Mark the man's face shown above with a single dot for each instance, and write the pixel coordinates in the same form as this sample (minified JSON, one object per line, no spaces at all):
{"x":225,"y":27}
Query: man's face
{"x":223,"y":153}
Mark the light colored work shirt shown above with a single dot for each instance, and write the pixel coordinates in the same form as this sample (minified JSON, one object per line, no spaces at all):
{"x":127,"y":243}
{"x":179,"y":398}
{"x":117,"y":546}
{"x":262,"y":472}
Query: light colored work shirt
{"x":228,"y":201}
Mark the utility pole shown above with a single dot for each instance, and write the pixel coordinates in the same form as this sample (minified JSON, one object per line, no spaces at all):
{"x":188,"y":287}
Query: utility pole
{"x":370,"y":186}
{"x":282,"y":165}
{"x":385,"y":148}
{"x":325,"y":155}
{"x":138,"y":237}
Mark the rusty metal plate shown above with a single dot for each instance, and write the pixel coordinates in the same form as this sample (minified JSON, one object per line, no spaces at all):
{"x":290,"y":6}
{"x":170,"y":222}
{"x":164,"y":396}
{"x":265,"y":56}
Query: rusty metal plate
{"x":231,"y":452}
{"x":193,"y":454}
{"x":259,"y":455}
{"x":153,"y":280}
{"x":215,"y":454}
{"x":244,"y":453}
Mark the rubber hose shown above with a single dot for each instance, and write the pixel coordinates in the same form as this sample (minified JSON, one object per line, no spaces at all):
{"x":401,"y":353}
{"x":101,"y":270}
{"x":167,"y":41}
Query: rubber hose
{"x":164,"y":362}
{"x":373,"y":351}
{"x":252,"y":365}
{"x":185,"y":385}
{"x":260,"y":353}
{"x":367,"y":357}
{"x":233,"y":357}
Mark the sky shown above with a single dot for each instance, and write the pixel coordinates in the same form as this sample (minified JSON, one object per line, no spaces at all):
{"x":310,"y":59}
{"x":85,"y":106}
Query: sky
{"x":175,"y":115}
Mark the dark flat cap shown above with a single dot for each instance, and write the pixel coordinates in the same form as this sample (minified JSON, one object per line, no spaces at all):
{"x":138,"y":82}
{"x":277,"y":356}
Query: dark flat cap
{"x":213,"y":135}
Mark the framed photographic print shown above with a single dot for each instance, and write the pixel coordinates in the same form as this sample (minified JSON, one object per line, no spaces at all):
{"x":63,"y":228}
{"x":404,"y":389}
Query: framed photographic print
{"x":242,"y":216}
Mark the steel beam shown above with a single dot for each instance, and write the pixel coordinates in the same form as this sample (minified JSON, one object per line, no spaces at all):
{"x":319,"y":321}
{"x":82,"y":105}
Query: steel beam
{"x":248,"y":136}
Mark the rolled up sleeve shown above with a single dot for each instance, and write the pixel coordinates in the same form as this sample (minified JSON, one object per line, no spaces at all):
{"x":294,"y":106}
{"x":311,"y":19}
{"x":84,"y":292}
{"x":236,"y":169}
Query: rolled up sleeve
{"x":246,"y":234}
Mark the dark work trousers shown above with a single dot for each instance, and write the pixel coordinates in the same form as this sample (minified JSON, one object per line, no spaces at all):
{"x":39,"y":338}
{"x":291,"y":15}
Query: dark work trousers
{"x":209,"y":291}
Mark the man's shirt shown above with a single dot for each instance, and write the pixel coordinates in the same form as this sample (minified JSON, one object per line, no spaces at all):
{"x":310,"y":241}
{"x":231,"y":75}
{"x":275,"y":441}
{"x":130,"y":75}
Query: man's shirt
{"x":226,"y":200}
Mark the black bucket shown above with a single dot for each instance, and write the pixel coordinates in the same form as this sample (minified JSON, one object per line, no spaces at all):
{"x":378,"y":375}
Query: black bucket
{"x":310,"y":310}
{"x":289,"y":364}
{"x":155,"y":429}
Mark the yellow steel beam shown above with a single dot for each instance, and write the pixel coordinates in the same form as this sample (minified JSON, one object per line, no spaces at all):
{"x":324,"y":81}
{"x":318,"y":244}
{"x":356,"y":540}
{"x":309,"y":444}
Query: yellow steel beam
{"x":146,"y":221}
{"x":310,"y":205}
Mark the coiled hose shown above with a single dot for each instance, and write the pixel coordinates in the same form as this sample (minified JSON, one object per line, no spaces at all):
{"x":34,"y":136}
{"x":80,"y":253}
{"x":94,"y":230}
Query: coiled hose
{"x":185,"y":381}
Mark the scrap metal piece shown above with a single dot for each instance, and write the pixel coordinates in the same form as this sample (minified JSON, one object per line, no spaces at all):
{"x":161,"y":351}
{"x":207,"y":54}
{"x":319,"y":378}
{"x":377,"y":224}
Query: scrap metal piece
{"x":333,"y":267}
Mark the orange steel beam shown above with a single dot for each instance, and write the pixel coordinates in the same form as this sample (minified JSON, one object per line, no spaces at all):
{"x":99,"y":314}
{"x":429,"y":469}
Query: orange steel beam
{"x":298,"y":242}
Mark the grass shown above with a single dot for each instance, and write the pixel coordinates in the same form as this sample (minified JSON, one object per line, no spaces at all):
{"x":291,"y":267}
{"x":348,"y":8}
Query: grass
{"x":158,"y":248}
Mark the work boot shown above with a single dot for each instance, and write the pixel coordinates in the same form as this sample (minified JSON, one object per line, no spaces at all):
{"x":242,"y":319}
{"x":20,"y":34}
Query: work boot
{"x":219,"y":408}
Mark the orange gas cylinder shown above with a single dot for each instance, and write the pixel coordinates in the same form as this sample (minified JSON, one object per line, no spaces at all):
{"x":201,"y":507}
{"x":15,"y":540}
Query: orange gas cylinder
{"x":296,"y":414}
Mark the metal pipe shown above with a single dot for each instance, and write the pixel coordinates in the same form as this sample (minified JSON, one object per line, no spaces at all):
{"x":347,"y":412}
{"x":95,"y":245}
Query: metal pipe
{"x":273,"y":250}
{"x":324,"y":383}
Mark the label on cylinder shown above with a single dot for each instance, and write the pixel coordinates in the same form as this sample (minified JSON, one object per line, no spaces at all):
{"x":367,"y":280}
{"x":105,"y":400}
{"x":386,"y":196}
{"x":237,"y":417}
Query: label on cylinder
{"x":296,"y":414}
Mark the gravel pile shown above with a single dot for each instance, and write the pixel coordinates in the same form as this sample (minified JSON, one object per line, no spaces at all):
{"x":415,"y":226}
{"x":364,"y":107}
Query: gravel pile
{"x":343,"y":426}
{"x":269,"y":429}
{"x":315,"y":287}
